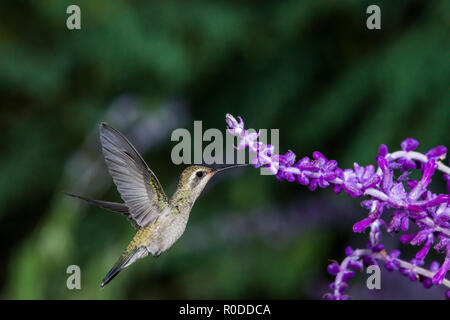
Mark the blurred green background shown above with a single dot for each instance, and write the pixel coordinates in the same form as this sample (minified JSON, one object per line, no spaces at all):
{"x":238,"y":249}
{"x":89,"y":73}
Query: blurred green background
{"x":310,"y":68}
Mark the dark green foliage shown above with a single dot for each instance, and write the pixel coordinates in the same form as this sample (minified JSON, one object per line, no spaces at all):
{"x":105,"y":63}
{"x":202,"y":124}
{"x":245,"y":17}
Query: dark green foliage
{"x":310,"y":68}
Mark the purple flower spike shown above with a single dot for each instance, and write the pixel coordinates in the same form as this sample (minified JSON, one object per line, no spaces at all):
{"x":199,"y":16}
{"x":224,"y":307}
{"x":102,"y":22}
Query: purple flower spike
{"x":409,"y":144}
{"x":390,"y":187}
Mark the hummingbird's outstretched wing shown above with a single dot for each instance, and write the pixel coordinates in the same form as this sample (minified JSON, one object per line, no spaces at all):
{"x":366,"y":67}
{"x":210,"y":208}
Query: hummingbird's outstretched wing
{"x":136,"y":183}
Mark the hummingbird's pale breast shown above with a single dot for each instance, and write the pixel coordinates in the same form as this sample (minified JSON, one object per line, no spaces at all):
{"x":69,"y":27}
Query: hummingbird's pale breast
{"x":162,"y":233}
{"x":172,"y":228}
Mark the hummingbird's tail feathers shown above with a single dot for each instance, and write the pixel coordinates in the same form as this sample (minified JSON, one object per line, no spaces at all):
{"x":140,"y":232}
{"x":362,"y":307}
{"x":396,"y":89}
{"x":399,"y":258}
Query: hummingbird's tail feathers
{"x":111,"y":206}
{"x":126,"y":259}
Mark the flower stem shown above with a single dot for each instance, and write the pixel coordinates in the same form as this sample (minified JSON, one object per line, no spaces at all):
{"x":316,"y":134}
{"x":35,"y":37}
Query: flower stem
{"x":384,"y":257}
{"x":406,"y":265}
{"x":414,"y":155}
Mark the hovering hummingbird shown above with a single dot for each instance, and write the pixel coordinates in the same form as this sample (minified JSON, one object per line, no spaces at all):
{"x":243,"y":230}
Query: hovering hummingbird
{"x":159,"y":220}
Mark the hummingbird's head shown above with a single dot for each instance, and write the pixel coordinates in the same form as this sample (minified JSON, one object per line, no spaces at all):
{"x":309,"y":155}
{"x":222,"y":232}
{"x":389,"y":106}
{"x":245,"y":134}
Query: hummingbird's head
{"x":195,"y":178}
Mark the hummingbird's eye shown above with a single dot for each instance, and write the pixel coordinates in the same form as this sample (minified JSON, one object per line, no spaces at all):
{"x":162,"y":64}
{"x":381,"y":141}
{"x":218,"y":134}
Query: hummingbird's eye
{"x":199,"y":174}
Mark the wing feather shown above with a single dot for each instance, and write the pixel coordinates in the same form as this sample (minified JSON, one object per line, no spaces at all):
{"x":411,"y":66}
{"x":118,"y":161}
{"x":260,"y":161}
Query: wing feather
{"x":136,"y":183}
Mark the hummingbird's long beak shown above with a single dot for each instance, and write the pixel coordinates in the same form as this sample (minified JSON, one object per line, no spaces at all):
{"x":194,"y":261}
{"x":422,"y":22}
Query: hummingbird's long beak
{"x":230,"y":167}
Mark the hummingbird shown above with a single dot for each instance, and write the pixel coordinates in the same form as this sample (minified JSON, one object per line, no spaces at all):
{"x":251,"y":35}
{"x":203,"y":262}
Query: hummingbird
{"x":159,"y":220}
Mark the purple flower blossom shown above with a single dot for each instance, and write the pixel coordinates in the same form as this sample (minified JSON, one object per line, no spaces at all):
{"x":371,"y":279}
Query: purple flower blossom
{"x":399,"y":220}
{"x":409,"y":144}
{"x":383,"y":151}
{"x":411,"y":272}
{"x":427,"y":282}
{"x":422,"y":185}
{"x":362,"y":225}
{"x":392,"y":264}
{"x":247,"y":140}
{"x":235,"y":127}
{"x":437,"y":153}
{"x":447,"y":179}
{"x":440,"y":275}
{"x":411,"y":201}
{"x":333,"y":268}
